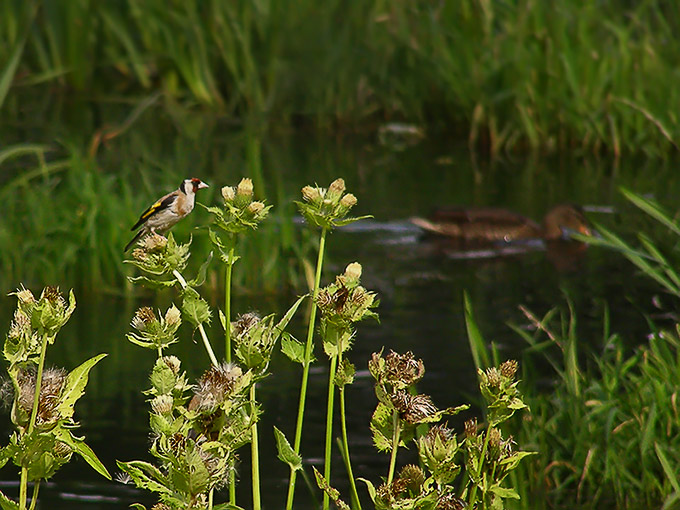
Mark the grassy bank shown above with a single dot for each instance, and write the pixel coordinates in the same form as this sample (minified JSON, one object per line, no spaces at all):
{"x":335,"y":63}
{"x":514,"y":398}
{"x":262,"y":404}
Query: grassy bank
{"x":506,"y":75}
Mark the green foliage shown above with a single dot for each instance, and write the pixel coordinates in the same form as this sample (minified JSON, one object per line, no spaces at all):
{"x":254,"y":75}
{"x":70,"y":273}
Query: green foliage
{"x":43,"y":400}
{"x":471,"y":470}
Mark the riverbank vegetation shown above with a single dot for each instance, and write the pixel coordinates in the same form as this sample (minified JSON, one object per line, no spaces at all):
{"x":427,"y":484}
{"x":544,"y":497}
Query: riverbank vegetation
{"x":512,"y":75}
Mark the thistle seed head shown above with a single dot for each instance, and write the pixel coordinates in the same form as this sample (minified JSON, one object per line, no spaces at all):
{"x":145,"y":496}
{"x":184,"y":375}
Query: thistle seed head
{"x":404,"y":368}
{"x":50,"y":388}
{"x":215,"y":386}
{"x":245,"y":322}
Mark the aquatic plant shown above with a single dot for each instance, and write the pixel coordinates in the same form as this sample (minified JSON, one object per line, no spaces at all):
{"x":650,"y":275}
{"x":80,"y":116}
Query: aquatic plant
{"x":42,"y":399}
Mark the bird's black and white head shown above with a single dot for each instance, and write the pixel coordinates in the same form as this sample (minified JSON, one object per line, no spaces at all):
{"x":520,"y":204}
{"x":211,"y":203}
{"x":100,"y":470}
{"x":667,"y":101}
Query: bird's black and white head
{"x":191,"y":186}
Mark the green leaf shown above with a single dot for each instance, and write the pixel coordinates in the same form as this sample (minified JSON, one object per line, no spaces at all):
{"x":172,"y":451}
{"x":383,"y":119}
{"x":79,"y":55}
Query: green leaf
{"x":370,"y":487}
{"x":292,"y":348}
{"x":381,"y":426}
{"x":200,"y":277}
{"x":137,"y":506}
{"x":74,"y":387}
{"x":667,"y":468}
{"x":477,"y":345}
{"x":332,"y":492}
{"x":7,"y":504}
{"x":79,"y":446}
{"x":286,"y":452}
{"x":195,"y":308}
{"x":504,"y":492}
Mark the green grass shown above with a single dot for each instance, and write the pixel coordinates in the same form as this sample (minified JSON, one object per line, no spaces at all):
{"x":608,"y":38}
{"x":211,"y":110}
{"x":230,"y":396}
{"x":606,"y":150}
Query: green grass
{"x":516,"y":74}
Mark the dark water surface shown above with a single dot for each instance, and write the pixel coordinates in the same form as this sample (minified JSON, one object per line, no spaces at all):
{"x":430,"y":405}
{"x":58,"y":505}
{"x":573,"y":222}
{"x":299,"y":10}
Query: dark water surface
{"x":420,"y":286}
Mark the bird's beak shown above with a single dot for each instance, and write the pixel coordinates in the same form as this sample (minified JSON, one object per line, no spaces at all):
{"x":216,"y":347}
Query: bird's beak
{"x":203,"y":185}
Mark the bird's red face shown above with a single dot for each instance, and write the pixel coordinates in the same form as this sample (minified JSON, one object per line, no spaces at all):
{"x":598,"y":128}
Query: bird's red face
{"x":198,"y":184}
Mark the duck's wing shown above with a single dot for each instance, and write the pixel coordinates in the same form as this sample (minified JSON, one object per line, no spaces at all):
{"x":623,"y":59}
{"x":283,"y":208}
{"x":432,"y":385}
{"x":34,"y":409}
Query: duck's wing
{"x":480,"y":224}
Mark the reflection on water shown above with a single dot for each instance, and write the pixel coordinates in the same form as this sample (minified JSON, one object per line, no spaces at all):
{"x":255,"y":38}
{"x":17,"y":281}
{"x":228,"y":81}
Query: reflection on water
{"x":420,"y":284}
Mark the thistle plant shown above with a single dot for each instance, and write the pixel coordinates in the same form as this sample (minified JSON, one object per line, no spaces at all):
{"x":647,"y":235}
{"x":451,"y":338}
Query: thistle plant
{"x":323,"y":208}
{"x":238,"y":214}
{"x":162,"y":261}
{"x":341,"y":304}
{"x":194,"y":438}
{"x":254,"y":341}
{"x":42,"y":399}
{"x":455,"y":473}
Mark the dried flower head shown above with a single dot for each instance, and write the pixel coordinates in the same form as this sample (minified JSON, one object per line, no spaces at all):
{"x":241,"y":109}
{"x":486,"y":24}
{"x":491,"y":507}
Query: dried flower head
{"x":471,"y":428}
{"x":215,"y":386}
{"x":144,"y":317}
{"x":509,"y":368}
{"x":244,"y":323}
{"x":493,"y":377}
{"x":413,"y":477}
{"x":140,"y":255}
{"x":403,"y":368}
{"x":245,"y":188}
{"x":20,"y":326}
{"x":228,"y":193}
{"x":336,"y":189}
{"x":449,"y":501}
{"x":52,"y":294}
{"x":413,"y":408}
{"x":50,"y":388}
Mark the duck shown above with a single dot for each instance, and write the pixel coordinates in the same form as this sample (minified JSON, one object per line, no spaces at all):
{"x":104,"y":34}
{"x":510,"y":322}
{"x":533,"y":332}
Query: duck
{"x":493,"y":225}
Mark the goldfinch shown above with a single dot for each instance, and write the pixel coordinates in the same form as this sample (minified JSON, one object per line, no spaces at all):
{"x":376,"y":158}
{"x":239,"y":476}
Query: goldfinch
{"x":167,"y":210}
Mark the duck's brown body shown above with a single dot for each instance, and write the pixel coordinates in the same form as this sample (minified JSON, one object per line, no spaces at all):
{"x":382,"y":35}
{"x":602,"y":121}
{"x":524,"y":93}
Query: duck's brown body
{"x":492,"y":225}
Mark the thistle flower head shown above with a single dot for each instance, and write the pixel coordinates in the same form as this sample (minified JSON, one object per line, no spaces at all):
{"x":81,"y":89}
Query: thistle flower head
{"x":173,"y":363}
{"x":449,"y":501}
{"x":413,"y":477}
{"x":215,"y":386}
{"x":144,"y":317}
{"x":162,"y":404}
{"x":153,"y":243}
{"x":508,"y":369}
{"x":327,"y":208}
{"x":173,"y":317}
{"x":20,"y":326}
{"x":310,"y":194}
{"x":245,"y":187}
{"x":244,"y":323}
{"x":413,"y":408}
{"x":228,"y":193}
{"x":471,"y":428}
{"x":403,"y":369}
{"x":48,"y":401}
{"x":25,"y":296}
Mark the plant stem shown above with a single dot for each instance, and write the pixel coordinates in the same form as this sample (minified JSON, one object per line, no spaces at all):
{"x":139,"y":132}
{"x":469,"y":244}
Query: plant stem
{"x":329,"y":428}
{"x":34,"y":497}
{"x":473,"y":492}
{"x":396,"y":432}
{"x":227,"y":306}
{"x":305,"y":367}
{"x":345,"y":446}
{"x":23,"y":486}
{"x":254,"y":453}
{"x":206,"y":342}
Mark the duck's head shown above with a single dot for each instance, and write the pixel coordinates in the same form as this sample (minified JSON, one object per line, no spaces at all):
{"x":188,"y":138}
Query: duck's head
{"x":564,"y":219}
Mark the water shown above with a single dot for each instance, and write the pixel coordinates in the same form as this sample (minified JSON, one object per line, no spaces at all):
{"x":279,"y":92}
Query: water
{"x":420,"y":286}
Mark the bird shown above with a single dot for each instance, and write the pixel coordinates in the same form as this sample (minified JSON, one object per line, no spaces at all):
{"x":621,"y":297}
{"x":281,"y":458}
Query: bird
{"x":484,"y":224}
{"x":167,"y":210}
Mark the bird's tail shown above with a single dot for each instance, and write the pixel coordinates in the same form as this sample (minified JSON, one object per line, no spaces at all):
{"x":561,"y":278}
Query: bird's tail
{"x":138,"y":235}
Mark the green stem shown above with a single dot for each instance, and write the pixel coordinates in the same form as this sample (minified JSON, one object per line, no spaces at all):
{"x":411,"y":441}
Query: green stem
{"x":23,"y":487}
{"x":206,"y":342}
{"x":305,"y":368}
{"x":473,"y":492}
{"x":254,"y":453}
{"x":345,"y":446}
{"x":329,"y":428}
{"x":211,"y":495}
{"x":396,"y":432}
{"x":227,"y":305}
{"x":34,"y":497}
